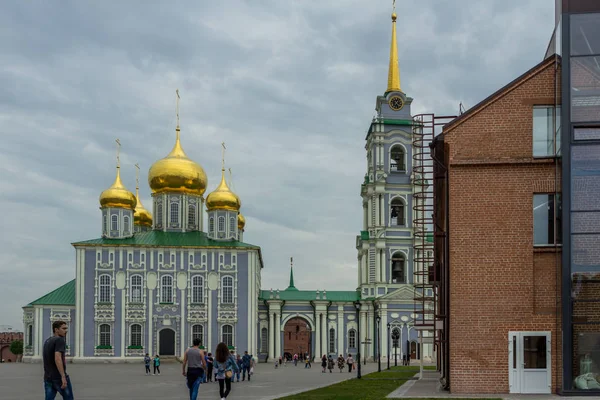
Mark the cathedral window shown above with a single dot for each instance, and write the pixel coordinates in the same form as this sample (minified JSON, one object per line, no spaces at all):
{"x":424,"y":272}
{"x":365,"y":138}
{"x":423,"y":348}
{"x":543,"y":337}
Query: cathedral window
{"x":264,"y":340}
{"x":352,"y":339}
{"x":114,"y":223}
{"x":227,"y":290}
{"x":191,"y":215}
{"x":397,"y":158}
{"x":136,"y":289}
{"x":159,"y":214}
{"x":211,"y":225}
{"x":104,"y":335}
{"x":174,"y":213}
{"x":198,"y":333}
{"x":166,"y":289}
{"x":398,"y":268}
{"x":126,"y":223}
{"x":136,"y":335}
{"x":398,"y":212}
{"x":221,"y":224}
{"x":227,"y":335}
{"x":197,"y":289}
{"x":232,"y":222}
{"x":104,"y":223}
{"x":104,"y":290}
{"x":332,"y":340}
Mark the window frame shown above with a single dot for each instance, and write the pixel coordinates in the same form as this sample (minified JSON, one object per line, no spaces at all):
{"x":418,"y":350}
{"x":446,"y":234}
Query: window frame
{"x":135,"y":339}
{"x":211,"y":225}
{"x":403,"y":205}
{"x":198,"y":334}
{"x":554,"y":220}
{"x":224,"y":299}
{"x":554,"y":120}
{"x":103,"y":335}
{"x":197,"y":288}
{"x":351,"y":338}
{"x":105,"y":289}
{"x":221,"y":224}
{"x":332,"y":340}
{"x":174,"y":213}
{"x":403,"y":258}
{"x":132,"y":287}
{"x":393,"y":162}
{"x":164,"y":286}
{"x":114,"y":222}
{"x":223,"y":333}
{"x":264,"y":340}
{"x":191,"y":220}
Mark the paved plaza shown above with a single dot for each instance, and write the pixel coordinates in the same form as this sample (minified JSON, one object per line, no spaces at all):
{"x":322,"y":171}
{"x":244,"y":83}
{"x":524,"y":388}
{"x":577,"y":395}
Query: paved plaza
{"x":19,"y":381}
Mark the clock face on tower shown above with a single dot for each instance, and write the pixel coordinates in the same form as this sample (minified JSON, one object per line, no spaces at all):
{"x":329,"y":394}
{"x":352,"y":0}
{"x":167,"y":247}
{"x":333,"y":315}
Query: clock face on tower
{"x":396,"y":103}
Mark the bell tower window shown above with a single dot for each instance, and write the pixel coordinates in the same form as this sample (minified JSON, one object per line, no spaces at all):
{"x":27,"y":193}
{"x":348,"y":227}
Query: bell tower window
{"x":174,"y":213}
{"x":191,"y":215}
{"x":159,"y":214}
{"x":398,"y":159}
{"x":398,"y":212}
{"x":221,"y":224}
{"x":211,"y":225}
{"x":398,"y":268}
{"x":114,"y":223}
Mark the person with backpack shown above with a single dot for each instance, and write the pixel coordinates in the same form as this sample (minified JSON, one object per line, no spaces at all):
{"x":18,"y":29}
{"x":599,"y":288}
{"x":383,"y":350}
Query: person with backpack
{"x":225,"y":366}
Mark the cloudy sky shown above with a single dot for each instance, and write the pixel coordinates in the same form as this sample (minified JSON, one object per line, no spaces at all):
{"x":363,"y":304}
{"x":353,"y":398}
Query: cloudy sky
{"x":289,"y":86}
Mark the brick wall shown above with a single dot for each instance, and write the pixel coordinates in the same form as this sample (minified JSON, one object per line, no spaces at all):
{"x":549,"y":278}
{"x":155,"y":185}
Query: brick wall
{"x":498,"y":281}
{"x":6,"y":338}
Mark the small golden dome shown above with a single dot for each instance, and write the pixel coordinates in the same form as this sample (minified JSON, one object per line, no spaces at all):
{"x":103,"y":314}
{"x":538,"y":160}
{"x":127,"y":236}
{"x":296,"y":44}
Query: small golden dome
{"x":223,"y":198}
{"x":393,"y":16}
{"x":141,"y":216}
{"x":177,"y":173}
{"x":117,"y":195}
{"x":241,"y":221}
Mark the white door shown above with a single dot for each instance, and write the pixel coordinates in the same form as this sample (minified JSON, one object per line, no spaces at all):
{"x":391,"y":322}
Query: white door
{"x":529,"y":362}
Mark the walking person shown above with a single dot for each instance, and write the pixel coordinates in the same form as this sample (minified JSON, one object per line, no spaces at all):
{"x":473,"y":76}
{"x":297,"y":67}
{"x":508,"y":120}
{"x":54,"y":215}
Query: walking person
{"x":323,"y":363}
{"x":156,"y":364}
{"x":196,"y":368}
{"x":209,"y":365}
{"x":350,"y":362}
{"x":341,"y":362}
{"x":246,"y":365}
{"x":147,"y":360}
{"x":330,"y":364}
{"x":56,"y":379}
{"x":240,"y":364}
{"x":225,"y":366}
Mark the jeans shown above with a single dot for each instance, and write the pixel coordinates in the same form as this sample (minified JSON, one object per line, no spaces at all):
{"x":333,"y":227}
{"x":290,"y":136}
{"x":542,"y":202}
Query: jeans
{"x":195,"y":376}
{"x":350,"y":368}
{"x":227,"y":383}
{"x":53,"y":386}
{"x":244,"y":371}
{"x":156,"y":368}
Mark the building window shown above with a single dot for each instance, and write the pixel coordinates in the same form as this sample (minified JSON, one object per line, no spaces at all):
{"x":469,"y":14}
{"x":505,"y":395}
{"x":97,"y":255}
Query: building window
{"x":264,"y":340}
{"x":136,"y":289}
{"x":397,"y":158}
{"x":227,"y":334}
{"x":105,"y":224}
{"x":197,"y":289}
{"x":398,"y":268}
{"x":398,"y":212}
{"x":104,"y":335}
{"x":352,"y":339}
{"x":211,"y":225}
{"x":545,"y":124}
{"x":136,"y":335}
{"x":126,"y":223}
{"x":232,"y":222}
{"x":114,"y":223}
{"x":191,"y":215}
{"x":547,"y":219}
{"x":166,"y":289}
{"x":227,"y":290}
{"x":221,"y":224}
{"x":159,"y":214}
{"x":174,"y":213}
{"x":198,"y":333}
{"x":331,"y":340}
{"x":104,"y":289}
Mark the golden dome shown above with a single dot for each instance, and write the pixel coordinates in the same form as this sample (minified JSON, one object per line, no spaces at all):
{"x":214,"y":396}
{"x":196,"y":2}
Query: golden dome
{"x":241,"y":221}
{"x":393,"y":16}
{"x":177,"y":173}
{"x":223,"y":198}
{"x":117,"y":195}
{"x":141,"y":216}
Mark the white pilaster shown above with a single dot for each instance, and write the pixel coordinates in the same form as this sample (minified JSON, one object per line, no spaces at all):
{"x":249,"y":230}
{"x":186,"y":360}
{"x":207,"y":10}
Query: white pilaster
{"x":150,"y":320}
{"x":377,"y":267}
{"x":364,"y":334}
{"x":384,"y":332}
{"x":250,"y":304}
{"x":272,"y":333}
{"x":123,"y":326}
{"x":209,"y":321}
{"x":341,"y":332}
{"x":278,"y":334}
{"x":318,"y":352}
{"x":325,"y":330}
{"x":182,"y":304}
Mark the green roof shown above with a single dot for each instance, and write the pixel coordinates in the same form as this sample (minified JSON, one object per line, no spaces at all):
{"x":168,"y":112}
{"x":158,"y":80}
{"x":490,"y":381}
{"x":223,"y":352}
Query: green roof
{"x":63,"y":296}
{"x":306,"y":295}
{"x":364,"y":235}
{"x":166,"y":239}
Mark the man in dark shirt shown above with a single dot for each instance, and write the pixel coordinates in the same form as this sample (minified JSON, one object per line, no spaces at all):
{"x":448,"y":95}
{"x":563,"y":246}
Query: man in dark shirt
{"x":56,"y":379}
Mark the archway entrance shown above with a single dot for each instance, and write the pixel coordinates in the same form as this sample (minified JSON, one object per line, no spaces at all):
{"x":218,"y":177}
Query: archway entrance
{"x":297,"y":337}
{"x":166,"y":342}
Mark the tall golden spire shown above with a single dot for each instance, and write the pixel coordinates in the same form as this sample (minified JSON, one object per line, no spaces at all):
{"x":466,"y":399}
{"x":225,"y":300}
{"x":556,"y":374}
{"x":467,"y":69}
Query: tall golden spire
{"x":394,"y":70}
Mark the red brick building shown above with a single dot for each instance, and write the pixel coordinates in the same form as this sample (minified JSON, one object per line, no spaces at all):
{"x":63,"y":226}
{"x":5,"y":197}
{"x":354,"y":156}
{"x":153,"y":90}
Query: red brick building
{"x":6,"y":338}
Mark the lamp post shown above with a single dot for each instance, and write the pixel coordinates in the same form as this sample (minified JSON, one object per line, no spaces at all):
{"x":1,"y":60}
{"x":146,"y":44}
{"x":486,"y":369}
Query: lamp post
{"x":357,"y":305}
{"x":388,"y":346}
{"x":395,"y":337}
{"x":378,"y":343}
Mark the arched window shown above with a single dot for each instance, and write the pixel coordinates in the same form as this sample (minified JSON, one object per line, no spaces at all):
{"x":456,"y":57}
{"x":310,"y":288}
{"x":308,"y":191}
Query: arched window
{"x":211,"y":225}
{"x":398,"y":212}
{"x":352,"y":339}
{"x":136,"y":289}
{"x":332,"y":340}
{"x":197,"y":289}
{"x":174,"y":213}
{"x":232,"y":222}
{"x":104,"y":335}
{"x":159,"y":213}
{"x":221,"y":224}
{"x":126,"y":223}
{"x":264,"y":340}
{"x":104,"y":289}
{"x":30,"y":335}
{"x":398,"y":268}
{"x":105,"y":223}
{"x":166,"y":289}
{"x":114,"y":223}
{"x":398,"y":158}
{"x":191,"y":215}
{"x":136,"y":335}
{"x":198,"y":332}
{"x":227,"y":335}
{"x":227,"y":290}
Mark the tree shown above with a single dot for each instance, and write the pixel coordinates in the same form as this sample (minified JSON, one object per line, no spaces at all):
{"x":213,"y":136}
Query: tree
{"x":16,"y":347}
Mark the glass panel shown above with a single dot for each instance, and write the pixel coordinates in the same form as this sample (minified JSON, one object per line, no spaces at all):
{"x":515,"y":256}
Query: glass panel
{"x":543,"y":131}
{"x":585,"y":253}
{"x":585,"y":172}
{"x":590,"y":133}
{"x":585,"y":34}
{"x":514,"y":352}
{"x":534,"y":352}
{"x":585,"y":89}
{"x":543,"y":219}
{"x":586,"y":356}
